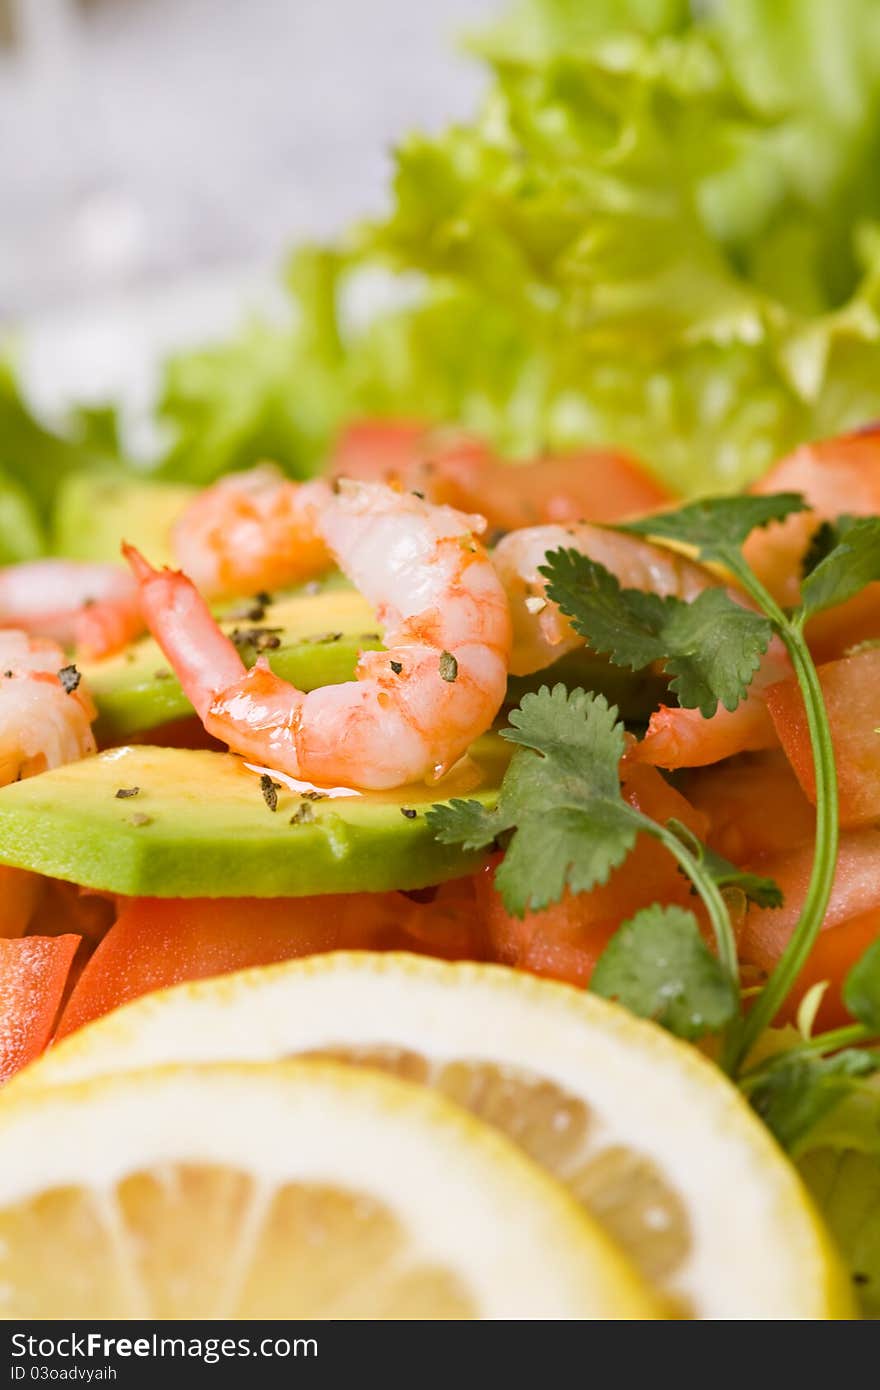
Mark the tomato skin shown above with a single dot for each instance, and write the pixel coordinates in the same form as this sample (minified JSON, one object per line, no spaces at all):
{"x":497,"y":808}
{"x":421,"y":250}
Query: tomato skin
{"x":158,"y":942}
{"x":851,"y":923}
{"x":851,"y":688}
{"x":33,"y":975}
{"x":834,"y":475}
{"x":754,"y":804}
{"x":455,"y":468}
{"x":564,"y":941}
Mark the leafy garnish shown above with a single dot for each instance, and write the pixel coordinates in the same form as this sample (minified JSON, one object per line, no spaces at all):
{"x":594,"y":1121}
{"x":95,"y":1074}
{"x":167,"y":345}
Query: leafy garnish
{"x":826,"y":536}
{"x":849,"y":564}
{"x":560,"y":796}
{"x":659,"y":967}
{"x":795,"y":1093}
{"x":845,"y":1185}
{"x":710,"y":647}
{"x":717,"y":527}
{"x":861,"y":992}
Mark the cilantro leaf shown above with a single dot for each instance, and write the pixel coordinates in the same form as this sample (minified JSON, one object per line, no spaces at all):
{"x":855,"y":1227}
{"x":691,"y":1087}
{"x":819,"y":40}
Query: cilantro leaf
{"x":853,"y":562}
{"x":826,"y":536}
{"x":861,"y":992}
{"x":658,"y":965}
{"x":717,"y":526}
{"x":711,"y":647}
{"x":560,"y":797}
{"x":796,"y":1091}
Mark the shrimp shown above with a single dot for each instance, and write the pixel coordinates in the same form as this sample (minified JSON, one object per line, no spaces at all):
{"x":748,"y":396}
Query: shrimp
{"x":541,"y":634}
{"x":95,"y":607}
{"x":414,"y":708}
{"x":44,"y":722}
{"x":251,"y":531}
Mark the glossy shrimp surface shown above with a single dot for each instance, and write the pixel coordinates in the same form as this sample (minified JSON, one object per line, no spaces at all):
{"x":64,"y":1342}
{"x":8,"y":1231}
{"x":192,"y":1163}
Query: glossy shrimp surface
{"x":250,"y":531}
{"x":93,"y":607}
{"x":42,"y":724}
{"x":541,"y":634}
{"x":415,"y":707}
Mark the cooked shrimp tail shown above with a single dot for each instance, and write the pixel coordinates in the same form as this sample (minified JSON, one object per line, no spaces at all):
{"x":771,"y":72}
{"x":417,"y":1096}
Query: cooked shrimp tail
{"x":414,"y":708}
{"x":183,"y":625}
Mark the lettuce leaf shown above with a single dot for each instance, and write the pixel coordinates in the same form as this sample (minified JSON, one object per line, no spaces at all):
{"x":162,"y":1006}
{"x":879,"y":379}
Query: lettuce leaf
{"x":659,"y":232}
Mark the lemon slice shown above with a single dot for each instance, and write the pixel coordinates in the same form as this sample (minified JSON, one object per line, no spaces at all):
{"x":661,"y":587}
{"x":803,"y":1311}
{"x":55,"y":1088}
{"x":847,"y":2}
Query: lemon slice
{"x":642,"y":1129}
{"x":286,"y":1190}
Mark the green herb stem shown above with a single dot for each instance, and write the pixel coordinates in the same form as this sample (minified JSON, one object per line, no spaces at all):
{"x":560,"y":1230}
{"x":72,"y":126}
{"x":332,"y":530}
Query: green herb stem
{"x":852,"y":1035}
{"x":818,"y":894}
{"x":706,"y":887}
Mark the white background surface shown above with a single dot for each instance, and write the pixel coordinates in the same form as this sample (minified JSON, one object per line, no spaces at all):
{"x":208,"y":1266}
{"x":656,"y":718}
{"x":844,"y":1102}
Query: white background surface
{"x":157,"y":156}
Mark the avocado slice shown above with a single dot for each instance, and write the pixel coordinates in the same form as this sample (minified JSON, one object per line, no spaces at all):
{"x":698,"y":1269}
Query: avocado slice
{"x":319,"y":635}
{"x":93,"y":512}
{"x":200,"y":825}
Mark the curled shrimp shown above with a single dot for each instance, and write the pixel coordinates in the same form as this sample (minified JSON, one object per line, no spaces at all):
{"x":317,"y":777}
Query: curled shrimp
{"x":541,"y":634}
{"x":414,"y":708}
{"x":92,"y":606}
{"x":43,"y":722}
{"x":250,"y":531}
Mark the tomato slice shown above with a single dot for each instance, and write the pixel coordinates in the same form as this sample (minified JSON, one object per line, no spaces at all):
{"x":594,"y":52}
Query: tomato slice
{"x":851,"y":923}
{"x":754,"y":803}
{"x":834,"y":475}
{"x":157,"y":942}
{"x":851,"y":688}
{"x":33,"y":975}
{"x":565,"y":940}
{"x":450,"y":466}
{"x":20,"y":894}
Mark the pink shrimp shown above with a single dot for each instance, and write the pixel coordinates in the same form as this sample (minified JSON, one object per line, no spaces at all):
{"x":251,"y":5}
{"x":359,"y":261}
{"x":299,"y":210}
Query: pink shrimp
{"x":251,"y":531}
{"x":96,"y":607}
{"x":44,"y":721}
{"x":414,"y":708}
{"x":541,"y":634}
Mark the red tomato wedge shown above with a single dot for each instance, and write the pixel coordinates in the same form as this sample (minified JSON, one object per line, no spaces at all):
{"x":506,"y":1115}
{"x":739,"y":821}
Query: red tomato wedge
{"x":157,"y":942}
{"x":33,"y":975}
{"x":851,"y":923}
{"x":20,"y":894}
{"x":834,"y":475}
{"x":566,"y":939}
{"x":451,"y":467}
{"x":851,"y":688}
{"x":754,"y":803}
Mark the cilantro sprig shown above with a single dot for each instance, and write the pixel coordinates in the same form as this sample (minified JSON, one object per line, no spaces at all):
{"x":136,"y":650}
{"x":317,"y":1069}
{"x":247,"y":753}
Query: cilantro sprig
{"x":562,"y":816}
{"x":711,"y":647}
{"x":716,"y":529}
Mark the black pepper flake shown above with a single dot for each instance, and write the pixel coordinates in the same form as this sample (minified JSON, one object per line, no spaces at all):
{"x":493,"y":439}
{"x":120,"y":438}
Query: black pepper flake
{"x":370,"y":637}
{"x":448,"y":666}
{"x":7,"y":675}
{"x":140,"y":819}
{"x":263,"y":598}
{"x":397,"y":667}
{"x":163,"y":674}
{"x":270,"y":791}
{"x":420,"y":495}
{"x":303,"y":814}
{"x":320,"y":638}
{"x":859,"y":1277}
{"x":262,"y":639}
{"x":314,"y":796}
{"x":409,"y":812}
{"x":70,"y":678}
{"x":124,"y":793}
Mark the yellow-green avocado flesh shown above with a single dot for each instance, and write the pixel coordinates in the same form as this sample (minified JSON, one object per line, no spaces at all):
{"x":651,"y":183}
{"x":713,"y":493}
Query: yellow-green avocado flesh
{"x":200,"y":826}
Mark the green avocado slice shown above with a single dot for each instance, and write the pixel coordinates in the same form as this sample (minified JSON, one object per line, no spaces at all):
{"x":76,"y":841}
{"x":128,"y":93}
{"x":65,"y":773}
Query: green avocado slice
{"x":200,"y":825}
